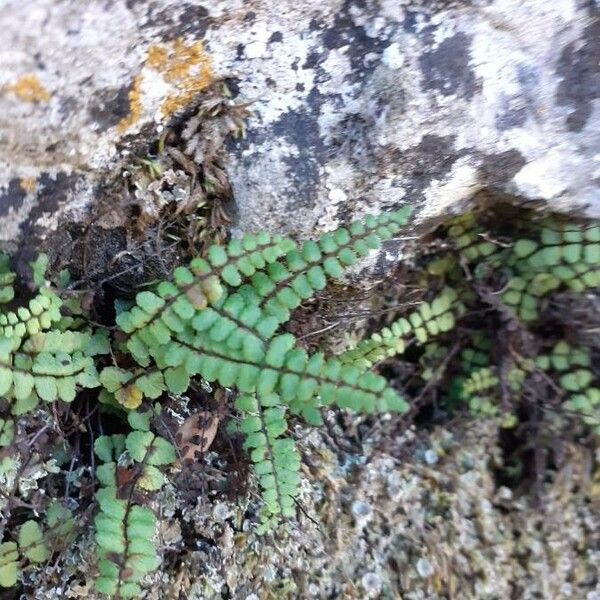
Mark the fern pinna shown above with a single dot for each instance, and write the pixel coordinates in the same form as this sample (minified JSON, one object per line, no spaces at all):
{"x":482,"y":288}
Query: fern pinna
{"x":220,"y":318}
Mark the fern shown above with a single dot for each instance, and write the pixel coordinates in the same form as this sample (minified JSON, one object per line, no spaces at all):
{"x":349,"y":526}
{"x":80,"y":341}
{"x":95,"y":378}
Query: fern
{"x":222,"y":318}
{"x":219,"y":318}
{"x":549,"y":255}
{"x":7,"y":279}
{"x":276,"y":460}
{"x":124,"y":528}
{"x":34,"y":545}
{"x":429,"y":320}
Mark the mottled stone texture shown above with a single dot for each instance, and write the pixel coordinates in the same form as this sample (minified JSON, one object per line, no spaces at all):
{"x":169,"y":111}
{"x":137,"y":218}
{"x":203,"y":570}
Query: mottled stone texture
{"x":359,"y":104}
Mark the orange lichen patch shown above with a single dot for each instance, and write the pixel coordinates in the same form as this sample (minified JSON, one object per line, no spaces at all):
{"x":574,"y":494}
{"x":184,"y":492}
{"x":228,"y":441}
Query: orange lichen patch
{"x":135,"y":105}
{"x":157,"y":57}
{"x":29,"y":89}
{"x":27,"y":184}
{"x":186,"y":66}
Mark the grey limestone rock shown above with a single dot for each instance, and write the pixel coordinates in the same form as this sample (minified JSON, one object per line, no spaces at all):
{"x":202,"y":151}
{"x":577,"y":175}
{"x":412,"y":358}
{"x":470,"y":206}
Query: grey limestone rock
{"x":359,"y":105}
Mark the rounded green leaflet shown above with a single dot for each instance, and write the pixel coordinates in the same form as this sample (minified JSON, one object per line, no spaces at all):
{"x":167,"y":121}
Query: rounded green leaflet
{"x":231,"y":275}
{"x":327,"y":243}
{"x":257,"y":259}
{"x":311,"y":252}
{"x":572,"y":253}
{"x":341,"y":236}
{"x":46,"y":388}
{"x":247,"y":377}
{"x":592,"y":233}
{"x":278,"y":348}
{"x":251,"y":424}
{"x":246,"y":403}
{"x":31,"y":542}
{"x":66,"y":388}
{"x":262,"y":284}
{"x":9,"y":566}
{"x":425,"y":311}
{"x":295,"y":261}
{"x":296,"y":359}
{"x":523,"y":248}
{"x":6,"y":380}
{"x":258,"y":441}
{"x":357,"y":228}
{"x":301,"y":286}
{"x":277,"y":272}
{"x":222,"y":329}
{"x":591,"y":254}
{"x":316,"y":277}
{"x":415,"y":319}
{"x":591,"y":278}
{"x":511,"y":297}
{"x":276,"y":309}
{"x":149,"y":302}
{"x":183,"y":277}
{"x":267,"y":382}
{"x":307,"y":388}
{"x":151,"y":384}
{"x":217,"y":255}
{"x":573,"y":235}
{"x":288,"y":297}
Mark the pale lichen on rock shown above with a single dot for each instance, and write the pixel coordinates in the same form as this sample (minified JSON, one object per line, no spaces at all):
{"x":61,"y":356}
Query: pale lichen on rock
{"x":357,"y":104}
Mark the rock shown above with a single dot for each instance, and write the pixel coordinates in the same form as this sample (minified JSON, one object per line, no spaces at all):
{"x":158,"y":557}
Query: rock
{"x":424,"y":568}
{"x":359,"y":105}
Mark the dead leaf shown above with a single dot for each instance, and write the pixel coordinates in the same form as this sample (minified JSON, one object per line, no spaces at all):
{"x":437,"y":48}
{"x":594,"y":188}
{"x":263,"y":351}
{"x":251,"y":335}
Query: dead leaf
{"x":196,"y":434}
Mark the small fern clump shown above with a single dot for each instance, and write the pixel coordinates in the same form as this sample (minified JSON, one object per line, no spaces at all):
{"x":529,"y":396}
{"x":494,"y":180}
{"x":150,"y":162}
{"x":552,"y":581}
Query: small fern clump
{"x":34,"y":544}
{"x":219,"y":318}
{"x":517,"y":270}
{"x":39,"y":361}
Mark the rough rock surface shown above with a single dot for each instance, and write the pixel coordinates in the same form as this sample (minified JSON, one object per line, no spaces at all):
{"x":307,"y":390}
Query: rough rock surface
{"x":359,"y":104}
{"x":426,"y":519}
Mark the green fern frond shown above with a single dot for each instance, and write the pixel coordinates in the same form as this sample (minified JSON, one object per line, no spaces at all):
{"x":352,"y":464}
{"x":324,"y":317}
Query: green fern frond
{"x":276,"y":460}
{"x":34,"y":544}
{"x":31,"y":373}
{"x":124,"y":529}
{"x":124,"y":533}
{"x":199,"y":285}
{"x":41,"y":312}
{"x":306,"y":270}
{"x":428,"y":320}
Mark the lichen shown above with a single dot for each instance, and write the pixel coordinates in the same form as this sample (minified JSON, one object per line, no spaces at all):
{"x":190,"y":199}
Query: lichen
{"x":29,"y":88}
{"x":186,"y":67}
{"x":28,"y":184}
{"x":135,"y":106}
{"x":187,"y":70}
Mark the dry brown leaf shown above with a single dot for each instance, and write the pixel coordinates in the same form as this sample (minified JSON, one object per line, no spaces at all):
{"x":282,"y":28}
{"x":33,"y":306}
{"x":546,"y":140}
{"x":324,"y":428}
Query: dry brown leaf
{"x":196,"y":434}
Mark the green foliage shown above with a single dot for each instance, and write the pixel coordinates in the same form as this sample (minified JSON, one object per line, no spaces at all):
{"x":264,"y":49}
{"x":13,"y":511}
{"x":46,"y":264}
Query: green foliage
{"x":219,"y":318}
{"x":41,"y":363}
{"x":429,"y":320}
{"x":124,"y":528}
{"x":34,"y":545}
{"x":276,"y":460}
{"x":7,"y":279}
{"x":519,"y":280}
{"x":9,"y":564}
